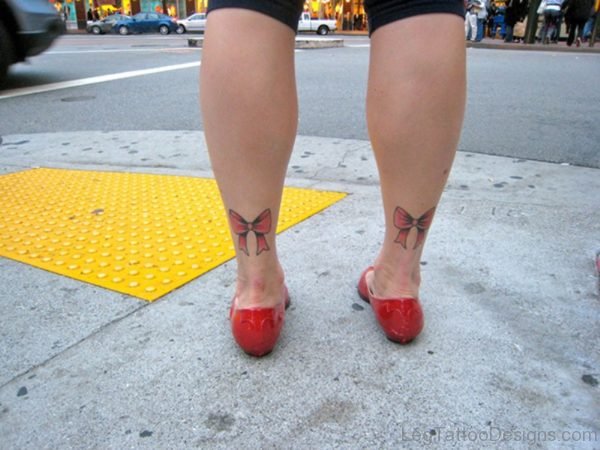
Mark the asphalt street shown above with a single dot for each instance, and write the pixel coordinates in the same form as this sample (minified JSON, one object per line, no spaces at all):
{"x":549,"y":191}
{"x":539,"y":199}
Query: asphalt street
{"x":533,"y":105}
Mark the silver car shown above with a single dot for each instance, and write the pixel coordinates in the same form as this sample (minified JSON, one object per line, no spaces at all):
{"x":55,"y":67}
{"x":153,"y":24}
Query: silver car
{"x":195,"y":22}
{"x":27,"y":28}
{"x":104,"y":25}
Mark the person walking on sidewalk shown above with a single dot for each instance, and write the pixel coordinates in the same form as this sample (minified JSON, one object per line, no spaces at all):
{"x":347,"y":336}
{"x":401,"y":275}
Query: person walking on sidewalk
{"x":516,"y":10}
{"x":415,"y":106}
{"x":481,"y":19}
{"x":577,"y":14}
{"x":473,"y":7}
{"x":552,"y":13}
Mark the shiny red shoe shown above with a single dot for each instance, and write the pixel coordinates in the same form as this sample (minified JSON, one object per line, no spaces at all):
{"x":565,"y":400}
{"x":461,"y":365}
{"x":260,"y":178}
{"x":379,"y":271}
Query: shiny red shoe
{"x":400,"y":318}
{"x":256,"y":330}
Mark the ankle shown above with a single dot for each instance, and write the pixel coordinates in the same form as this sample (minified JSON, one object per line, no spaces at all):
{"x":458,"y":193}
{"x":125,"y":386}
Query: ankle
{"x":395,"y":279}
{"x":260,"y":287}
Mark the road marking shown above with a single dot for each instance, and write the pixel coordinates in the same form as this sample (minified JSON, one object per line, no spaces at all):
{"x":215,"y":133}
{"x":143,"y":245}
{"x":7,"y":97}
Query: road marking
{"x":357,"y":45}
{"x":93,"y":80}
{"x":168,"y":49}
{"x":69,"y":52}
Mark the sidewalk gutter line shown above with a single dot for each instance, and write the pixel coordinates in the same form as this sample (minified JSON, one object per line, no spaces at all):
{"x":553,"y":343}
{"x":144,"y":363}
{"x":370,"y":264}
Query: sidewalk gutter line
{"x":103,"y":327}
{"x":514,"y":158}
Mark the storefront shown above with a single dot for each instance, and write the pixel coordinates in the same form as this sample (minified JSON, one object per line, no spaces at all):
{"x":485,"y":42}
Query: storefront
{"x":75,"y":13}
{"x":350,"y":14}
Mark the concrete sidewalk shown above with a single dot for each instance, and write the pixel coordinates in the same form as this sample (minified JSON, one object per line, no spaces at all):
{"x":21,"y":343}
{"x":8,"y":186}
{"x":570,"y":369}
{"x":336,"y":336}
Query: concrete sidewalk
{"x":509,"y":356}
{"x":499,"y":44}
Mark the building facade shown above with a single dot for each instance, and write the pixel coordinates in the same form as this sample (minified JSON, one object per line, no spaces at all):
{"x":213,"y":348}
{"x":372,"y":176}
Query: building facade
{"x":350,"y":14}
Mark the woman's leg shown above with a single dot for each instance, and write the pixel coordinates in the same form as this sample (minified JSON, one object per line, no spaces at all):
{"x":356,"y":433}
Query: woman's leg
{"x":415,"y":108}
{"x":249,"y":106}
{"x":467,"y":27}
{"x":473,"y":26}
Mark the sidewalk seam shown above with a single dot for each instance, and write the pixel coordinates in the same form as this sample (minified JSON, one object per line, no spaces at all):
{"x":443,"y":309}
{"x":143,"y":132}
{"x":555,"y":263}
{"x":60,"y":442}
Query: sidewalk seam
{"x":94,"y":333}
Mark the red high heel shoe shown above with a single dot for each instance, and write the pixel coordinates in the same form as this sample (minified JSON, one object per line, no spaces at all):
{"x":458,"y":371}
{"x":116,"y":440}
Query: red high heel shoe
{"x":256,"y":330}
{"x":400,"y":318}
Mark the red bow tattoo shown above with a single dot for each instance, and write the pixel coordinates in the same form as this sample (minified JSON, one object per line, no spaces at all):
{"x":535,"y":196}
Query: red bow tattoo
{"x":405,"y":222}
{"x":260,"y":226}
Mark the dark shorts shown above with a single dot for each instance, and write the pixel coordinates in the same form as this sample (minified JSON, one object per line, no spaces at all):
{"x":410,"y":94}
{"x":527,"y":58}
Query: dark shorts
{"x":379,"y":12}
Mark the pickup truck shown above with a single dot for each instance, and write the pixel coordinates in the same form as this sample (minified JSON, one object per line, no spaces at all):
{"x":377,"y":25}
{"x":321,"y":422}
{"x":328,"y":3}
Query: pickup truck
{"x":319,"y":26}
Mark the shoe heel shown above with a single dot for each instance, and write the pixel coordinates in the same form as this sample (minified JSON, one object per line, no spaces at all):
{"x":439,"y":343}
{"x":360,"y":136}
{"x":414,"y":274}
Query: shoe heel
{"x":401,"y":319}
{"x":257,"y":330}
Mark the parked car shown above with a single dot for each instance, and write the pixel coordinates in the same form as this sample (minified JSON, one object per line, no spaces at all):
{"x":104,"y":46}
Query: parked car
{"x":195,"y":22}
{"x":320,"y":26}
{"x":105,"y":25}
{"x":146,"y":23}
{"x":27,"y":28}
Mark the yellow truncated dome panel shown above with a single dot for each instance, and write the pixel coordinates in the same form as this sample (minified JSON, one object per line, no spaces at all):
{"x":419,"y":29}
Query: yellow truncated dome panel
{"x":139,"y":234}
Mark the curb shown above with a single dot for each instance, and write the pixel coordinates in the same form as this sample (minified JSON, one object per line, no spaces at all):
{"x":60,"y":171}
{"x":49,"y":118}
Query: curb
{"x":533,"y":47}
{"x":301,"y":43}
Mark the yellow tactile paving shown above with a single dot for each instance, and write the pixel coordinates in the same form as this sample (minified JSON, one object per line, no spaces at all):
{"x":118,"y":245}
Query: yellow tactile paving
{"x":143,"y":235}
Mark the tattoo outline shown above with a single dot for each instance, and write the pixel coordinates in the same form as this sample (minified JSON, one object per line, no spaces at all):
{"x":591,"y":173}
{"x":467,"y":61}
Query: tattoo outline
{"x":405,"y":222}
{"x":259,"y":226}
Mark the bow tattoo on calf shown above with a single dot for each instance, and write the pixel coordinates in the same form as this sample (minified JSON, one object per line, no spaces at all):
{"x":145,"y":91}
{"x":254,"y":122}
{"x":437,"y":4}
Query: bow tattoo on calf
{"x":405,"y":222}
{"x":260,"y":226}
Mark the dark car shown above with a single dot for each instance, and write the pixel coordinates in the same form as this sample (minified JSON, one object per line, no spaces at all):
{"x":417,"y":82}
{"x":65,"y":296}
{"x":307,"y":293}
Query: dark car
{"x":146,"y":23}
{"x":105,"y":25}
{"x":27,"y":28}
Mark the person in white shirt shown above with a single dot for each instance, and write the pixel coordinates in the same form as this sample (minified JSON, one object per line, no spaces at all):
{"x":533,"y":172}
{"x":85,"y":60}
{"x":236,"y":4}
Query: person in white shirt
{"x":473,"y":8}
{"x":551,"y":17}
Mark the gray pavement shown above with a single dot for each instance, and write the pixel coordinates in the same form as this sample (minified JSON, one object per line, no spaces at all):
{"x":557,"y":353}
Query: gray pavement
{"x":561,"y":46}
{"x":509,"y":356}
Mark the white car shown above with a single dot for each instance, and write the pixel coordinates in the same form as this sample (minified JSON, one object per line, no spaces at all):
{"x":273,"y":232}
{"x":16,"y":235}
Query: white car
{"x":195,"y":22}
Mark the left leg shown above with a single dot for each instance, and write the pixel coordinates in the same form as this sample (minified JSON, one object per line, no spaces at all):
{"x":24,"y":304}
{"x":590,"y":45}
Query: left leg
{"x":473,"y":26}
{"x":249,"y":105}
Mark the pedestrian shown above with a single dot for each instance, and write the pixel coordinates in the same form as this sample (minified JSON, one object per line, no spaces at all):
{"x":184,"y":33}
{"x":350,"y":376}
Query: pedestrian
{"x":516,"y":10}
{"x":415,"y":107}
{"x":577,"y":13}
{"x":589,"y":26}
{"x":90,"y":15}
{"x":66,"y":12}
{"x":552,"y":14}
{"x":497,"y":20}
{"x":472,"y":10}
{"x":481,"y":19}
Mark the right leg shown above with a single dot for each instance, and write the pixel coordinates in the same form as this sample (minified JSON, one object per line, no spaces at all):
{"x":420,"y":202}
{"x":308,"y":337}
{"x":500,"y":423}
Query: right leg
{"x":571,"y":36}
{"x":414,"y":116}
{"x":545,"y":26}
{"x":415,"y":107}
{"x":579,"y":35}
